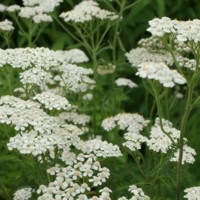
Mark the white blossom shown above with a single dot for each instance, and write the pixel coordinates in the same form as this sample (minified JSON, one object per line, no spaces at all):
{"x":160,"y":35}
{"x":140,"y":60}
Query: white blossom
{"x":66,"y":178}
{"x":42,"y":18}
{"x":125,"y":82}
{"x":161,"y":73}
{"x":87,"y":11}
{"x":75,"y":118}
{"x":192,"y":193}
{"x":99,"y":148}
{"x":141,"y":55}
{"x":2,"y":7}
{"x":23,"y":193}
{"x":13,"y":8}
{"x":161,"y":142}
{"x":6,"y":25}
{"x":52,"y":101}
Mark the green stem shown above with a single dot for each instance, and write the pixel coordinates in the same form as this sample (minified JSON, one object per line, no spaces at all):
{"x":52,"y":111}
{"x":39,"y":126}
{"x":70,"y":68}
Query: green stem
{"x":94,"y":61}
{"x":184,"y":120}
{"x":160,"y":113}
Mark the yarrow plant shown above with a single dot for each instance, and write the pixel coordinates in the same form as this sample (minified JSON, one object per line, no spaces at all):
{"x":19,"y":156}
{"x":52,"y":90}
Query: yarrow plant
{"x":84,"y":117}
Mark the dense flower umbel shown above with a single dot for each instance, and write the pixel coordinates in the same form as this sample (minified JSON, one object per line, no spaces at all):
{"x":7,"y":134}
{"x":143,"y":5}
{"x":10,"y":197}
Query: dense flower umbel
{"x":23,"y":194}
{"x":37,"y":144}
{"x":160,"y":72}
{"x":183,"y":31}
{"x":125,"y":82}
{"x":36,"y":10}
{"x":52,"y":101}
{"x":132,"y":123}
{"x":6,"y":26}
{"x":25,"y":114}
{"x":155,"y":53}
{"x":69,"y":181}
{"x":160,"y":142}
{"x":193,"y":193}
{"x":141,"y":55}
{"x":138,"y":194}
{"x":87,"y":11}
{"x":43,"y":67}
{"x":99,"y":148}
{"x":39,"y":57}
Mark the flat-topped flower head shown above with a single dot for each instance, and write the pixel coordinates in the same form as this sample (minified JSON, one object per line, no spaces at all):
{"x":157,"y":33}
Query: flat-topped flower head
{"x":6,"y":26}
{"x":141,"y":55}
{"x":99,"y":148}
{"x":161,"y":73}
{"x":38,"y":144}
{"x":137,"y":194}
{"x":75,"y":118}
{"x":23,"y":194}
{"x":87,"y":11}
{"x":132,"y":122}
{"x":52,"y":101}
{"x":73,"y":181}
{"x":192,"y":193}
{"x":183,"y":31}
{"x":188,"y":155}
{"x":158,"y":27}
{"x":40,"y":57}
{"x":125,"y":82}
{"x":25,"y":114}
{"x":2,"y":7}
{"x":160,"y":141}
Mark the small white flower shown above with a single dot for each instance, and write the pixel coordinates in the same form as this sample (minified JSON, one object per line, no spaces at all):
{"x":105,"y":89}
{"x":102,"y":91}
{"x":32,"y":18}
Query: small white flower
{"x":86,"y":11}
{"x":125,"y":82}
{"x":192,"y":193}
{"x":23,"y":194}
{"x":6,"y":26}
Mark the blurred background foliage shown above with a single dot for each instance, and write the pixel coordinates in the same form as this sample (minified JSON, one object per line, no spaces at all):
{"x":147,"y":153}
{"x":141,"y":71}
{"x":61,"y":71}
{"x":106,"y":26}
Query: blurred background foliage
{"x":133,"y":28}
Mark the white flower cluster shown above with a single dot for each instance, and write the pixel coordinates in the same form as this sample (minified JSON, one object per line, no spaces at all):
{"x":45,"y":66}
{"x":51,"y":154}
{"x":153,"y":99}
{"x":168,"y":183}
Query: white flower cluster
{"x":125,"y":82}
{"x":134,"y":140}
{"x":125,"y":121}
{"x":52,"y":101}
{"x":75,"y":118}
{"x":88,"y":97}
{"x":67,"y":184}
{"x":160,"y":72}
{"x":24,"y":114}
{"x":37,"y":144}
{"x":99,"y":148}
{"x":141,"y":55}
{"x":39,"y":18}
{"x":132,"y":123}
{"x":6,"y":26}
{"x":38,"y":64}
{"x":183,"y":31}
{"x":151,"y":43}
{"x":138,"y":194}
{"x":193,"y":193}
{"x":2,"y":7}
{"x":188,"y":155}
{"x":36,"y":10}
{"x":36,"y":76}
{"x":23,"y":194}
{"x":39,"y":57}
{"x":160,"y":142}
{"x":87,"y":11}
{"x":152,"y":50}
{"x":74,"y":78}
